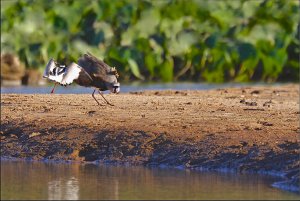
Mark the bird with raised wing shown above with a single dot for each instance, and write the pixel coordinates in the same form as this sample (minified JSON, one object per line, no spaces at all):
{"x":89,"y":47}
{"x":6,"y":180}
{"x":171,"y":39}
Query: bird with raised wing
{"x":89,"y":72}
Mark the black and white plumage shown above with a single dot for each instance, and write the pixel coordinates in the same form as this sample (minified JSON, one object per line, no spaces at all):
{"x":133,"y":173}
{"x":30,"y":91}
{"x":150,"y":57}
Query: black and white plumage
{"x":89,"y":72}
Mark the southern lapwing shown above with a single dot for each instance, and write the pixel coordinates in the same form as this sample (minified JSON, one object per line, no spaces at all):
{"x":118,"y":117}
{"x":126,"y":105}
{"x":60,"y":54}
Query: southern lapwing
{"x":89,"y":72}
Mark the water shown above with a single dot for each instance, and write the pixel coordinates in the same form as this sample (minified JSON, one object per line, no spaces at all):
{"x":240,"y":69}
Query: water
{"x":39,"y":180}
{"x":75,"y":89}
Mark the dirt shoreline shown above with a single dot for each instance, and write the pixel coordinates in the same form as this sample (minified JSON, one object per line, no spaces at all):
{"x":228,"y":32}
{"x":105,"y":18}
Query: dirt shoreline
{"x":248,"y":129}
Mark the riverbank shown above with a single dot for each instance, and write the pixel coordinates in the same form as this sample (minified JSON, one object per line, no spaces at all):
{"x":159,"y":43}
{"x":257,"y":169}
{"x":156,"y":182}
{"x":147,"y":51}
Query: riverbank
{"x":249,"y":129}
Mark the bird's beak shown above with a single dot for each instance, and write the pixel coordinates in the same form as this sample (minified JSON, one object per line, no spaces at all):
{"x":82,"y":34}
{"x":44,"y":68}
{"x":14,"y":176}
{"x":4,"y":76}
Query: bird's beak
{"x":116,"y":88}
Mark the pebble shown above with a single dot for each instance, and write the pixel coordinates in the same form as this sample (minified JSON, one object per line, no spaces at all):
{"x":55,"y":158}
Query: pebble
{"x":34,"y":134}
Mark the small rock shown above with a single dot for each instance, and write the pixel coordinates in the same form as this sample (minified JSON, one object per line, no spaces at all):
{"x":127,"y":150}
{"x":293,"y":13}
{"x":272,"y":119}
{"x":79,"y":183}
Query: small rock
{"x":248,"y":103}
{"x":34,"y":134}
{"x":243,"y":143}
{"x":267,"y":103}
{"x":251,"y":103}
{"x":247,"y":128}
{"x":91,"y":113}
{"x":267,"y":124}
{"x":255,"y":92}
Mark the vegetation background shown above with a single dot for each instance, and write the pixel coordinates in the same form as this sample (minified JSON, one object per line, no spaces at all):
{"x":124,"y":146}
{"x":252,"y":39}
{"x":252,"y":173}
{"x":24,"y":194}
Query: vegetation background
{"x":160,"y":40}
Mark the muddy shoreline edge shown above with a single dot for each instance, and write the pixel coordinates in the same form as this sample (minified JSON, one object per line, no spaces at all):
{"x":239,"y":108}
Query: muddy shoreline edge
{"x":246,"y":130}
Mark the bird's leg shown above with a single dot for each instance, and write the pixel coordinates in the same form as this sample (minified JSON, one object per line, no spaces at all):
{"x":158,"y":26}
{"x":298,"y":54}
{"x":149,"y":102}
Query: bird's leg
{"x":52,"y":91}
{"x":94,"y":97}
{"x":104,"y":98}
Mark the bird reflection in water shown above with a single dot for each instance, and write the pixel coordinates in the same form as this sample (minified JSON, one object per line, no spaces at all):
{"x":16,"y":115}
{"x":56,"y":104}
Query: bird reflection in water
{"x":63,"y":189}
{"x":68,"y":186}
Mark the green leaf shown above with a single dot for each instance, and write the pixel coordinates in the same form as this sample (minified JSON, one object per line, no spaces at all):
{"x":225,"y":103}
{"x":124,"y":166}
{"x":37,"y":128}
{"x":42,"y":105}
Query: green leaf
{"x":246,"y":51}
{"x":150,"y":63}
{"x":211,"y":41}
{"x":166,"y":70}
{"x":135,"y":69}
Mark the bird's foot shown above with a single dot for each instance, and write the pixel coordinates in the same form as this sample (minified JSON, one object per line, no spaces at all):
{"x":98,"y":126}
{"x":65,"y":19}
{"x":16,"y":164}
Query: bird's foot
{"x":110,"y":104}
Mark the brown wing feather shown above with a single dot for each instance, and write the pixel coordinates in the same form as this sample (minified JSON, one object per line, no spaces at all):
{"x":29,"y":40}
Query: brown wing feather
{"x":96,"y":68}
{"x":99,"y":62}
{"x":93,"y":65}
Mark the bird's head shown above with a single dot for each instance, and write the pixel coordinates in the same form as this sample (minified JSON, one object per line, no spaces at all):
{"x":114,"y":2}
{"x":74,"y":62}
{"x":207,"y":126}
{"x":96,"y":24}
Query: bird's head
{"x":115,"y":88}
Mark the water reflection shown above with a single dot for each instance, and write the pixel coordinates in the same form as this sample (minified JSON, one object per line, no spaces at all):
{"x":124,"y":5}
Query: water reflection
{"x":63,"y":190}
{"x":36,"y":180}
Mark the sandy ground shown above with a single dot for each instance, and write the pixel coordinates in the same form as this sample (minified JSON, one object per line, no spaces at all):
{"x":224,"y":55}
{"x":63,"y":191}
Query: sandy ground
{"x":244,"y":129}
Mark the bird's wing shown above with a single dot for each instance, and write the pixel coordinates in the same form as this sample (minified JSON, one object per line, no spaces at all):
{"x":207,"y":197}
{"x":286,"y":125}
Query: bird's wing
{"x":56,"y":78}
{"x":97,"y":68}
{"x":50,"y":65}
{"x":97,"y":62}
{"x":49,"y":71}
{"x":73,"y":72}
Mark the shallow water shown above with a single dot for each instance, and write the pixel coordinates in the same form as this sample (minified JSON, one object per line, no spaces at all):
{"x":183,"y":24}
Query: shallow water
{"x":75,"y":89}
{"x":39,"y":180}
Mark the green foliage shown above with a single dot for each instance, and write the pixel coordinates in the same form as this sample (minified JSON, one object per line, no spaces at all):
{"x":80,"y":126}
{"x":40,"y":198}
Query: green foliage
{"x":164,"y":40}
